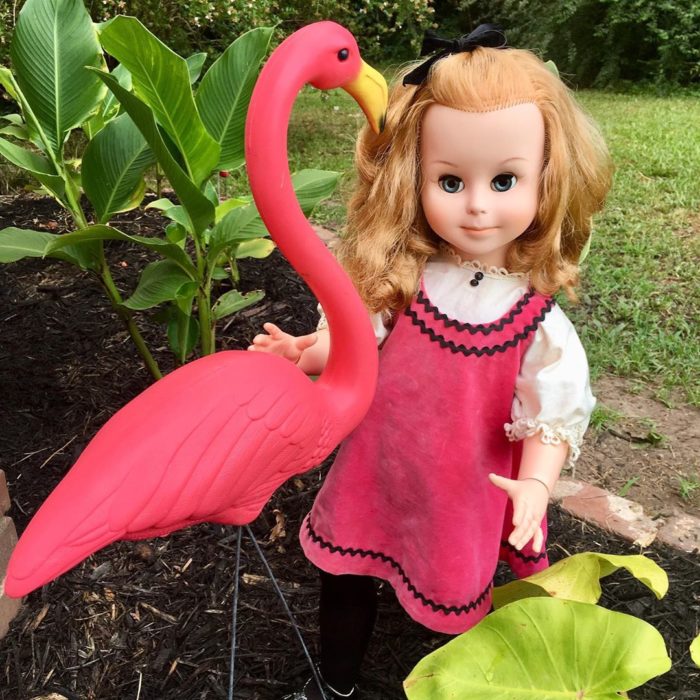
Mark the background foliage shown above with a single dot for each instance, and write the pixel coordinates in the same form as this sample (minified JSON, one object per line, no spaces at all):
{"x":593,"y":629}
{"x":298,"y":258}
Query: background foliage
{"x":598,"y":43}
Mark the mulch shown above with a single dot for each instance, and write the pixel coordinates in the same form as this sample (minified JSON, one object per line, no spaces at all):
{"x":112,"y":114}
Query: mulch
{"x":152,"y":620}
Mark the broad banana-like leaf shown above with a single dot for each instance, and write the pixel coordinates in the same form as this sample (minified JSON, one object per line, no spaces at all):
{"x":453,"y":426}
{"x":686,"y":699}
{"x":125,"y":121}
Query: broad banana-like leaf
{"x":183,"y":332}
{"x":99,"y":232}
{"x":161,"y":281}
{"x":113,"y":166}
{"x":38,"y":166}
{"x":53,"y":42}
{"x":243,"y":223}
{"x":260,"y":248}
{"x":17,"y":243}
{"x":578,"y":578}
{"x":200,"y":210}
{"x":233,"y":301}
{"x":695,"y":651}
{"x":161,"y":80}
{"x":225,"y":91}
{"x":195,"y":63}
{"x":543,"y":649}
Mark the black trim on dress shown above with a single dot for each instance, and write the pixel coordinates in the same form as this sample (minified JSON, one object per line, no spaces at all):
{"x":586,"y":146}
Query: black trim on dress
{"x":484,"y":328}
{"x":486,"y":350}
{"x":428,"y":602}
{"x":529,"y":558}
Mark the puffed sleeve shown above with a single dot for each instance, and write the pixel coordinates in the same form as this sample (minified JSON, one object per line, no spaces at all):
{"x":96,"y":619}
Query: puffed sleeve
{"x":379,"y":321}
{"x":553,"y":392}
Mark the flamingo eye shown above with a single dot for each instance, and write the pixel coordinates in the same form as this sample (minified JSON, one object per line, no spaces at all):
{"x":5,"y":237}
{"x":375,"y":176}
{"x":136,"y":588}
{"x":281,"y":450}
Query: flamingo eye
{"x":343,"y":54}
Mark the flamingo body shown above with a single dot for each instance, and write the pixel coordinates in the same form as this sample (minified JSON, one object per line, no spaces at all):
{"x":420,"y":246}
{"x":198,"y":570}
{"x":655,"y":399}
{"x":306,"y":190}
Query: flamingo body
{"x":213,"y":440}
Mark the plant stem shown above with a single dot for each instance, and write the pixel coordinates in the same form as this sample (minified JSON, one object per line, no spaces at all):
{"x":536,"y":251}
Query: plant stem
{"x":206,"y":329}
{"x":126,"y":316}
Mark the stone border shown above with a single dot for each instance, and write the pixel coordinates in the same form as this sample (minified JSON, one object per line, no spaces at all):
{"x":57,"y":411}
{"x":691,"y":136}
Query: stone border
{"x":626,"y":518}
{"x":8,"y":539}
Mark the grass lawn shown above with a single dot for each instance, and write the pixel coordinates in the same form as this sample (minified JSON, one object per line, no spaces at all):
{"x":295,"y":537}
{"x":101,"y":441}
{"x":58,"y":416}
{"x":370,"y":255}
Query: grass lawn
{"x":639,"y":310}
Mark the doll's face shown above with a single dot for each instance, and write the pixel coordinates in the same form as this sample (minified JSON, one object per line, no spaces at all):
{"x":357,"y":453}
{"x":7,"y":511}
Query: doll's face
{"x":481,"y":173}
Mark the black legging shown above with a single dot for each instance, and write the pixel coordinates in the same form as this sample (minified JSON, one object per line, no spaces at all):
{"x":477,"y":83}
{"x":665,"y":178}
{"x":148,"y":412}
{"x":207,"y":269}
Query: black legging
{"x":348,"y":610}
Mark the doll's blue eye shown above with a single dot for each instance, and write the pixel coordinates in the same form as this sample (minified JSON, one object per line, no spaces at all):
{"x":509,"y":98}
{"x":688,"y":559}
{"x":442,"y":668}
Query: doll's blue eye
{"x":451,"y":184}
{"x":503,"y":182}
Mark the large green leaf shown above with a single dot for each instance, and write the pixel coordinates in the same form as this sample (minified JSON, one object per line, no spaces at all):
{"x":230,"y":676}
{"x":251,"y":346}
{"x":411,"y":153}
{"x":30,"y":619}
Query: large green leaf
{"x":695,"y":650}
{"x":17,"y":243}
{"x":38,"y":166}
{"x":160,"y":281}
{"x":233,"y":301}
{"x":113,"y":166}
{"x":578,"y":578}
{"x":243,"y":223}
{"x":199,"y":209}
{"x":543,"y":649}
{"x":162,"y":80}
{"x":225,"y":91}
{"x":100,"y":232}
{"x":53,"y":42}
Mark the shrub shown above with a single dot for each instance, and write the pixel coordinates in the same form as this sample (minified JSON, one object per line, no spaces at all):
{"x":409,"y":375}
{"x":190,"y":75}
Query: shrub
{"x":597,"y":42}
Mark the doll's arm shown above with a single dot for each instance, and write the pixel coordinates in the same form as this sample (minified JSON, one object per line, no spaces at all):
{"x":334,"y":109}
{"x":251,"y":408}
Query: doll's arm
{"x":540,"y":466}
{"x":308,"y":352}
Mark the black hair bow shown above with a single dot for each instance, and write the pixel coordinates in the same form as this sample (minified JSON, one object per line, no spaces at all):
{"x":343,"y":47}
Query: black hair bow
{"x":484,"y":35}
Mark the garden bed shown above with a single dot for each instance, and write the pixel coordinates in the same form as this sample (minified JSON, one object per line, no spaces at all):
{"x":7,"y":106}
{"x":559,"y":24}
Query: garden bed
{"x":152,"y":620}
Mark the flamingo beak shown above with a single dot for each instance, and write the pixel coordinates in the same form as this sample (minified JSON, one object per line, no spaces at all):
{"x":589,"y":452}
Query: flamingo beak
{"x":370,"y":91}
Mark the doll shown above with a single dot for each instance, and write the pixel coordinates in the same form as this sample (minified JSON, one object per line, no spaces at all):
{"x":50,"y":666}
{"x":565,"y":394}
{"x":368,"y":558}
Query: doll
{"x":471,"y":210}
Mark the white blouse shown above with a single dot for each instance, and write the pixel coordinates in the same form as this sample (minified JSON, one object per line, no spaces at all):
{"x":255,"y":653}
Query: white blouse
{"x":552,"y":392}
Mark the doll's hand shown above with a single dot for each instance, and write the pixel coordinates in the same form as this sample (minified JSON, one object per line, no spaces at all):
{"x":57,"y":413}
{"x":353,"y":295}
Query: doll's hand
{"x":277,"y":342}
{"x":530,"y":498}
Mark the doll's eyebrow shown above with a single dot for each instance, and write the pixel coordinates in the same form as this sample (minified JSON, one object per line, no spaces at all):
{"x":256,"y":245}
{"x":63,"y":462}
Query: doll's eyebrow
{"x":445,"y":162}
{"x":510,"y":160}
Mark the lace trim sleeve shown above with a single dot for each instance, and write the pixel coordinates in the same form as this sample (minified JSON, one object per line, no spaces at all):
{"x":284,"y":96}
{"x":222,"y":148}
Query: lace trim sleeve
{"x":526,"y":427}
{"x":380,"y":324}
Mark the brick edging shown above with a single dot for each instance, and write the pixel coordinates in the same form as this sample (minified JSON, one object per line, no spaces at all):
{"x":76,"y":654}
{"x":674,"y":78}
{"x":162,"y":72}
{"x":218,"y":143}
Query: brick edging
{"x":626,"y":518}
{"x":8,"y":538}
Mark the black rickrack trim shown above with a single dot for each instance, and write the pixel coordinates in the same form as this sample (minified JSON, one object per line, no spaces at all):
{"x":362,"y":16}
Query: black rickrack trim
{"x":490,"y":351}
{"x":354,"y":552}
{"x":529,"y":558}
{"x":484,"y":328}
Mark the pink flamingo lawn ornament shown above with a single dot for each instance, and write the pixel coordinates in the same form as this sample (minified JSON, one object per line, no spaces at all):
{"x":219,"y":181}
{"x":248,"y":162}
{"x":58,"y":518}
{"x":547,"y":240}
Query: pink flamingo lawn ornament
{"x":212,"y":440}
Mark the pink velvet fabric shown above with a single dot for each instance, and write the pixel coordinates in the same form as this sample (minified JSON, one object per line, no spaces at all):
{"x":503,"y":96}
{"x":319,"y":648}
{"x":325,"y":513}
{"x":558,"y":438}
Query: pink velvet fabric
{"x":408,"y":498}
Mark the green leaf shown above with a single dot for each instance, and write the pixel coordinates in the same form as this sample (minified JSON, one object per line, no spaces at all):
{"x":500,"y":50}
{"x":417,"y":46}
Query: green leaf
{"x":19,"y":132}
{"x":174,"y":212}
{"x":161,"y":79}
{"x":100,"y":232}
{"x":578,"y":578}
{"x":53,"y":42}
{"x":160,"y":281}
{"x":17,"y":243}
{"x":8,"y":82}
{"x":310,"y":187}
{"x":695,"y":651}
{"x":183,"y":333}
{"x":225,"y":91}
{"x":113,"y":167}
{"x":38,"y":166}
{"x":543,"y":649}
{"x":586,"y":249}
{"x":228,"y":205}
{"x":199,"y":209}
{"x":260,"y":248}
{"x":233,"y":301}
{"x":195,"y":63}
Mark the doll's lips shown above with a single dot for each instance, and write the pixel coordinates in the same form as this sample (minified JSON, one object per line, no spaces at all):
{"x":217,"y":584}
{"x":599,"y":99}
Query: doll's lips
{"x":473,"y":229}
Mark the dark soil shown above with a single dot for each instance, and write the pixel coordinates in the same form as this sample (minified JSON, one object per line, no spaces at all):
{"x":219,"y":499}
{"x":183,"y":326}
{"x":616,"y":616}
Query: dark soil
{"x":151,"y":620}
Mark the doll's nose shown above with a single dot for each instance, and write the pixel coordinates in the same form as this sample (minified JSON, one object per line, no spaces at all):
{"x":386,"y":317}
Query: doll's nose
{"x":476,"y":200}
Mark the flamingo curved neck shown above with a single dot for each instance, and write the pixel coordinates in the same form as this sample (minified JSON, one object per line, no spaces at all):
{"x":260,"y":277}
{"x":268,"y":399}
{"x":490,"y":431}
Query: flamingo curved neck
{"x":350,"y":375}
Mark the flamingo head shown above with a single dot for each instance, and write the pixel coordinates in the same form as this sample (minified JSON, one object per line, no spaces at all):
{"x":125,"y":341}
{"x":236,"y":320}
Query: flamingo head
{"x":336,"y":63}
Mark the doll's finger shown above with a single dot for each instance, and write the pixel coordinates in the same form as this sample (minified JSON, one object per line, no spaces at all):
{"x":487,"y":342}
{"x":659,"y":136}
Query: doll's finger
{"x":261,"y":340}
{"x":538,"y":540}
{"x":501,"y":482}
{"x":306,"y":341}
{"x":272,"y":329}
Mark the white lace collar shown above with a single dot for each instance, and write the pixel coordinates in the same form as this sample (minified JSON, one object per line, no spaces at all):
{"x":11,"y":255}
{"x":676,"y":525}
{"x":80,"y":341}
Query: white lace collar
{"x":476,"y":266}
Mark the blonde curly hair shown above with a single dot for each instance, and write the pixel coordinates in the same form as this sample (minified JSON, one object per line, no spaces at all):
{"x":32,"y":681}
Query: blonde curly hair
{"x":388,"y":240}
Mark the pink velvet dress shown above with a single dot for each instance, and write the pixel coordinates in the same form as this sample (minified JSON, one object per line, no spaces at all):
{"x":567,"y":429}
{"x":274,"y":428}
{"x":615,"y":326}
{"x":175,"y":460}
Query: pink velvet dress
{"x":408,"y":497}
